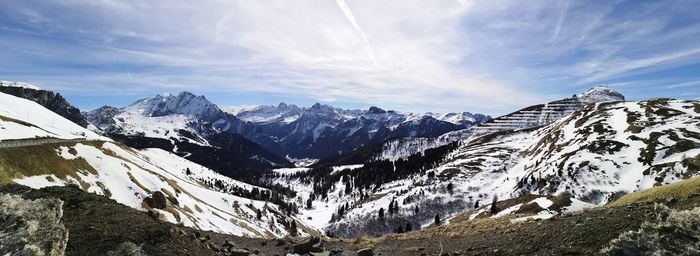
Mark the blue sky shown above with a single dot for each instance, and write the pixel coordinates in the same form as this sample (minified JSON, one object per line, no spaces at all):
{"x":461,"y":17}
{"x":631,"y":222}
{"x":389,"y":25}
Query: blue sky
{"x":445,"y":55}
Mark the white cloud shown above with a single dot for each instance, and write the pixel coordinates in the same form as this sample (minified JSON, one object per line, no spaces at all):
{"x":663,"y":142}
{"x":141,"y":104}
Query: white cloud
{"x":453,"y":55}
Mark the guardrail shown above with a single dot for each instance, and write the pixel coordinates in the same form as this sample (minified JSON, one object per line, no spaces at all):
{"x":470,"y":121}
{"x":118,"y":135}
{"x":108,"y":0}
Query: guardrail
{"x":36,"y":142}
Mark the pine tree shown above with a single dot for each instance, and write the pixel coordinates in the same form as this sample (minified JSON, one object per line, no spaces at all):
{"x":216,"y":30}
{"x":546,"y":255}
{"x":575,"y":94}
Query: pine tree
{"x":294,"y":228}
{"x":437,"y":219}
{"x":259,"y":214}
{"x":476,"y":205}
{"x":381,"y":213}
{"x":309,"y":203}
{"x":494,"y":208}
{"x":408,"y":227}
{"x":391,"y":208}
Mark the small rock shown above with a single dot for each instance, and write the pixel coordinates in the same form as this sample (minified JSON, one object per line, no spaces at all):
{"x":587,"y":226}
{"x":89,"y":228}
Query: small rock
{"x":153,"y":214}
{"x":239,"y":252}
{"x":365,"y":252}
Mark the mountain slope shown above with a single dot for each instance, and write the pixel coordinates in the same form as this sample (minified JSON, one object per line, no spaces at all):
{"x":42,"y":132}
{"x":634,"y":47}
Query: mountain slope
{"x":532,"y":116}
{"x":593,"y":155}
{"x":173,"y":188}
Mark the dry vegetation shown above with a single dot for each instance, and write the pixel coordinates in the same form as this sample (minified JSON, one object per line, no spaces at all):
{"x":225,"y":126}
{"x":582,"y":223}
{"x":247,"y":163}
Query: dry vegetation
{"x":678,"y":190}
{"x":40,"y":160}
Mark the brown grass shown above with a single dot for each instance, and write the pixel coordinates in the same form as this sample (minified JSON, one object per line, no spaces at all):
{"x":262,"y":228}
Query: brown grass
{"x":681,"y":189}
{"x":40,"y":160}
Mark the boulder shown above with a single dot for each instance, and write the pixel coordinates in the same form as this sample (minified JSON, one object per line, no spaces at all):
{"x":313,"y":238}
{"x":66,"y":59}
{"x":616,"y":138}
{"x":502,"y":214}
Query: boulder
{"x":306,"y":245}
{"x":156,"y":200}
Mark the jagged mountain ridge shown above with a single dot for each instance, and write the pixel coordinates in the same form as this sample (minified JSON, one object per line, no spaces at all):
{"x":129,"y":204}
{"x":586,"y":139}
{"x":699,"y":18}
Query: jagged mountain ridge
{"x":286,"y":130}
{"x":322,"y":131}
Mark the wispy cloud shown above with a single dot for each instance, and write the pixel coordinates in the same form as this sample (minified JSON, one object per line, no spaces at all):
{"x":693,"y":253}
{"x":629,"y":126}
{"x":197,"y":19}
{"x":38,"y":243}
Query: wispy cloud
{"x":488,"y":56}
{"x":348,"y":13}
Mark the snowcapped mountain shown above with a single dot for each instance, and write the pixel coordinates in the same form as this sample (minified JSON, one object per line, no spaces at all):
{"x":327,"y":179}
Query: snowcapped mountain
{"x":321,"y":131}
{"x":284,"y":130}
{"x":592,"y":156}
{"x":547,"y":113}
{"x":532,"y":116}
{"x":190,"y":126}
{"x":45,"y":149}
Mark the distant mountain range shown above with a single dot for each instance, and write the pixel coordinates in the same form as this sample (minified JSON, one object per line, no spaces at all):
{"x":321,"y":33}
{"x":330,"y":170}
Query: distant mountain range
{"x":285,"y":130}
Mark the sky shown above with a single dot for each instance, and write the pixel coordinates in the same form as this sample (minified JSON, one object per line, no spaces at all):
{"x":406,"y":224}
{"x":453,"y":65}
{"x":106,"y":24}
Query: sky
{"x":488,"y":57}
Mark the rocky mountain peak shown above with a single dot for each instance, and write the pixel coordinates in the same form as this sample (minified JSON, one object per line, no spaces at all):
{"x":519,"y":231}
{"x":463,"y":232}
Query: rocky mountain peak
{"x":184,"y":103}
{"x":600,"y":93}
{"x":376,"y":110}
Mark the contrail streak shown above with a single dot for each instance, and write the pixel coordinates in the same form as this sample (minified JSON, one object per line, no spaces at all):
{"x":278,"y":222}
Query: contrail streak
{"x":348,"y":14}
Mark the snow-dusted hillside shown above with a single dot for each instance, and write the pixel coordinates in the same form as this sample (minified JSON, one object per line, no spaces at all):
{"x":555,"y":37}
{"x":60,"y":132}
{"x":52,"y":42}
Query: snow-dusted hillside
{"x":24,"y":119}
{"x":592,"y":155}
{"x":194,"y":195}
{"x":528,"y":117}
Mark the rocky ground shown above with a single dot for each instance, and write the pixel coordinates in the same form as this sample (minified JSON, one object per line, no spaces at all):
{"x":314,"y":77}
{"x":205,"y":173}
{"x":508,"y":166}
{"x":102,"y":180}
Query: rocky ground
{"x":99,"y":226}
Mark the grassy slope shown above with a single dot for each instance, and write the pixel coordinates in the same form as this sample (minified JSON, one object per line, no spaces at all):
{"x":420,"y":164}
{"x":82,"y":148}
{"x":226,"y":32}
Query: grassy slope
{"x":678,"y":190}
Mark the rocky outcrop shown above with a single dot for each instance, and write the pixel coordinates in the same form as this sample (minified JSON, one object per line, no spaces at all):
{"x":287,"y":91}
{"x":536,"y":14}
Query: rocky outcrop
{"x":156,"y":200}
{"x":52,"y":101}
{"x":31,"y":227}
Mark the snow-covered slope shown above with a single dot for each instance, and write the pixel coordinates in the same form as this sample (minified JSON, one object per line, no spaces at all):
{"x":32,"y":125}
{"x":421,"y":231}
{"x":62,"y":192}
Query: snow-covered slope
{"x":195,"y":196}
{"x":592,"y":155}
{"x":24,"y":119}
{"x":528,"y":117}
{"x":547,"y":113}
